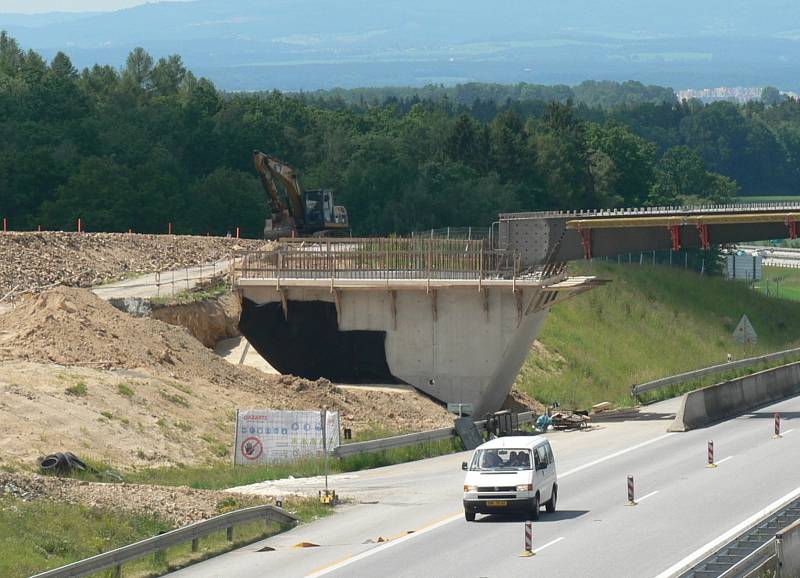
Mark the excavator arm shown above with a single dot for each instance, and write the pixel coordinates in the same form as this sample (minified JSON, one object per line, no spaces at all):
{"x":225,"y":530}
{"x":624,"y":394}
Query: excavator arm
{"x":276,"y":205}
{"x":286,"y":217}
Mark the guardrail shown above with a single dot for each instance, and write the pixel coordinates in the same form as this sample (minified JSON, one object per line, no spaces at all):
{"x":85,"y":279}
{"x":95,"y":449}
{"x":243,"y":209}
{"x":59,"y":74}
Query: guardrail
{"x":116,"y":558}
{"x":637,"y":390}
{"x":411,"y":439}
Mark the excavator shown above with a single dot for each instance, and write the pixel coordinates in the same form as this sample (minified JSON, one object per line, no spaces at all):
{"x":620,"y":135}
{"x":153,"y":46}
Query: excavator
{"x":306,"y":212}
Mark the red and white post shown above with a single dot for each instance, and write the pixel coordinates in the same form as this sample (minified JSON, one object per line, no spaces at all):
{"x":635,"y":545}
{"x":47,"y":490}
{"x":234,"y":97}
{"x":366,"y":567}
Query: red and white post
{"x":5,"y":224}
{"x":80,"y":225}
{"x":711,"y":463}
{"x":631,"y":494}
{"x":528,"y":540}
{"x":777,"y":426}
{"x":237,"y":232}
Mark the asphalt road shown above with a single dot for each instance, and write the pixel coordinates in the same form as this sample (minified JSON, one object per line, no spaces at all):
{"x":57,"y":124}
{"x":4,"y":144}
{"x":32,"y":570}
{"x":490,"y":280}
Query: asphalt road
{"x":683,"y":506}
{"x":161,"y":284}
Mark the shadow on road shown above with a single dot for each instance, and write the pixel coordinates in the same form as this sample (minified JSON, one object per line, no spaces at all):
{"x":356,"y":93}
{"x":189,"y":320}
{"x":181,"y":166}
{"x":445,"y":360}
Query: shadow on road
{"x":556,"y":516}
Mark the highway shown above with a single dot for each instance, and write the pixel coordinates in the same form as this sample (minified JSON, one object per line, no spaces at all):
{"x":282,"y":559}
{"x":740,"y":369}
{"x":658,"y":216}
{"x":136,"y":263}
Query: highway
{"x":683,"y":508}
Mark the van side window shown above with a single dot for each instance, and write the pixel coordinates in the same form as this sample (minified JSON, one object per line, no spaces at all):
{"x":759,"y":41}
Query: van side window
{"x":549,"y":454}
{"x":542,"y":455}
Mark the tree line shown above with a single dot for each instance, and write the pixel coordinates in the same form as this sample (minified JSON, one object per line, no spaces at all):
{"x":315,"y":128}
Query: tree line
{"x":150,"y":143}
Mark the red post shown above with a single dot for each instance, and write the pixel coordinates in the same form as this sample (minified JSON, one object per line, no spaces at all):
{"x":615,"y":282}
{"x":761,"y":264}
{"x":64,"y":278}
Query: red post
{"x":528,"y":552}
{"x":777,"y":425}
{"x":711,"y":463}
{"x":5,"y":224}
{"x":39,"y":228}
{"x":631,"y":494}
{"x":169,"y":228}
{"x":237,"y":232}
{"x":80,"y":228}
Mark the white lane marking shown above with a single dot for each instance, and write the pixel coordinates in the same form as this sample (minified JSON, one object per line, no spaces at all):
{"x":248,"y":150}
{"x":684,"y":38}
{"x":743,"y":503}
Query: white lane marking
{"x":556,"y":541}
{"x":614,"y":455}
{"x":787,"y":431}
{"x":385,"y":546}
{"x":705,"y":550}
{"x":650,"y":495}
{"x":722,"y":461}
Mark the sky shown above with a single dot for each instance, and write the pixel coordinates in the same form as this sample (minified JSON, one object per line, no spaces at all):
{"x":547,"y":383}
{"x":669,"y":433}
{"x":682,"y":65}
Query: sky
{"x":35,"y":6}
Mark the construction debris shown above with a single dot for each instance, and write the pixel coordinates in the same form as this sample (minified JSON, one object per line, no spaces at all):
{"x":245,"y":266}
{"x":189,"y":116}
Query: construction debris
{"x":33,"y":262}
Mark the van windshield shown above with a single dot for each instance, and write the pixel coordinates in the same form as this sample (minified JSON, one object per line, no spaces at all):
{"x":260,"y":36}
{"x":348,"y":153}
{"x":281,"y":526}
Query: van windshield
{"x":501,"y":459}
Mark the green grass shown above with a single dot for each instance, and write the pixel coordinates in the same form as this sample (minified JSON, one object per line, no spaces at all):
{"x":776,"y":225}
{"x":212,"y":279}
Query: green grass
{"x":649,"y":322}
{"x":780,"y":282}
{"x":124,"y":390}
{"x":217,"y":288}
{"x":40,"y":535}
{"x":78,"y":390}
{"x":228,"y":476}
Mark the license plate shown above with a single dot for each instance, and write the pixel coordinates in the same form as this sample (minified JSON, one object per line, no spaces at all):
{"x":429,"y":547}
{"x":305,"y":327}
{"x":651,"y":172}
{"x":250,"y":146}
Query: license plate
{"x":496,"y":503}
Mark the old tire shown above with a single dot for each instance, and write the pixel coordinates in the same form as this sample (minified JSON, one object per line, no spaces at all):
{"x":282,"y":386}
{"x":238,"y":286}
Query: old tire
{"x":534,"y":513}
{"x":469,"y":516}
{"x":550,"y":505}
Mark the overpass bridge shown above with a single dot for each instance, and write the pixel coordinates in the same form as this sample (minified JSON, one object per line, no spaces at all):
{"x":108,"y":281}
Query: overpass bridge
{"x":455,"y":318}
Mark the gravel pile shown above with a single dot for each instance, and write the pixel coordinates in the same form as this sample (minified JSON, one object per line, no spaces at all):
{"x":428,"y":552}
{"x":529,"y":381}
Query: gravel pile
{"x":31,"y":262}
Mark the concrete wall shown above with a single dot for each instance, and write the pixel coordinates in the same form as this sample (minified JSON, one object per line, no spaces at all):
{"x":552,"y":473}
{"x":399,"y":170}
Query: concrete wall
{"x":467,"y":351}
{"x":788,"y":549}
{"x":716,"y":402}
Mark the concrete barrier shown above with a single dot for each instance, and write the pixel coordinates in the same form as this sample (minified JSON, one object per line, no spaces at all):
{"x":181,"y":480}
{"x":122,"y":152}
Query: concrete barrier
{"x":787,"y":547}
{"x":711,"y":404}
{"x":400,"y":441}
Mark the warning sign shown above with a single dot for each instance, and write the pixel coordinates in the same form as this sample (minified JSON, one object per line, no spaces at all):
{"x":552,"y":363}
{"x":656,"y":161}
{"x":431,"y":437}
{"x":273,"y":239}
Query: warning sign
{"x":252,"y":448}
{"x":744,"y":332}
{"x":265,"y":436}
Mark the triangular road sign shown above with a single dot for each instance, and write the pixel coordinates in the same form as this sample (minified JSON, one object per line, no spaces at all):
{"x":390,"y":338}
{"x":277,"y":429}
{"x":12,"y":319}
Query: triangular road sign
{"x":744,"y":332}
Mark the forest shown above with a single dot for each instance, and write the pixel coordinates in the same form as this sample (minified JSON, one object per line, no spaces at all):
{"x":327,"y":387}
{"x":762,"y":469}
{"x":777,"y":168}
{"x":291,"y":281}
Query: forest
{"x":150,"y":143}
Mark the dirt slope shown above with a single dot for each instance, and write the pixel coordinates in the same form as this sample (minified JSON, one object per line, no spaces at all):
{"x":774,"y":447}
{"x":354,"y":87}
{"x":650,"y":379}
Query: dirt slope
{"x":77,"y":374}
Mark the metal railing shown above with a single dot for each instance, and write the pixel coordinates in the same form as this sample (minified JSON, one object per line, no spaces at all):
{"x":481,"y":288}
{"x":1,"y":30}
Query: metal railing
{"x":400,"y":441}
{"x":753,"y":550}
{"x":641,"y":388}
{"x":664,"y":210}
{"x":116,"y":558}
{"x":381,"y":258}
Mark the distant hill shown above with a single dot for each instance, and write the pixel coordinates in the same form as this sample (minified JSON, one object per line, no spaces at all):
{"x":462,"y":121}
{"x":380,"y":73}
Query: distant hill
{"x":312,"y":44}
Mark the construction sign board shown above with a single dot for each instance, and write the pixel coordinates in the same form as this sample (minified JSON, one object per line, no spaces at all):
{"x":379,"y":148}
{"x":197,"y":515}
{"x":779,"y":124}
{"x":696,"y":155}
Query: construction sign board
{"x":266,"y":436}
{"x":744,"y":332}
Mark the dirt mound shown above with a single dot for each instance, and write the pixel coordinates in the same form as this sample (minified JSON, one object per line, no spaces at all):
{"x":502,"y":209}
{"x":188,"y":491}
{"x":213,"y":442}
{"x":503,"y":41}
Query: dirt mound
{"x":137,"y":391}
{"x":33,"y":261}
{"x":179,"y":505}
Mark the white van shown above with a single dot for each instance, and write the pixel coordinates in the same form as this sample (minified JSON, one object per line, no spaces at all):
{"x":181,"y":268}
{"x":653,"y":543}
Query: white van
{"x":510,"y":474}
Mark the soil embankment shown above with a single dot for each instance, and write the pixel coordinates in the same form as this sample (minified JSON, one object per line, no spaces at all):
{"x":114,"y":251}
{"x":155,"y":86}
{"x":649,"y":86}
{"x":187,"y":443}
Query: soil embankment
{"x":209,"y":321}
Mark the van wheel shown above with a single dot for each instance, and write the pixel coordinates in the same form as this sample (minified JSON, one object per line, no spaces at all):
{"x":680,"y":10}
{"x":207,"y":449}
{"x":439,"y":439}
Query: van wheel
{"x":469,"y":516}
{"x":550,"y":505}
{"x":534,"y":513}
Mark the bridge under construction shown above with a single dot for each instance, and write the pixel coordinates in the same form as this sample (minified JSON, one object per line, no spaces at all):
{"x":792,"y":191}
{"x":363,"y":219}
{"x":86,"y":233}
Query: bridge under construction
{"x":455,"y":318}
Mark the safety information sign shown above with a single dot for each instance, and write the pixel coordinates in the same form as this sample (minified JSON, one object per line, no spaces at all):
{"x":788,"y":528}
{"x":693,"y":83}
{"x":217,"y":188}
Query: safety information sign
{"x":265,"y":436}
